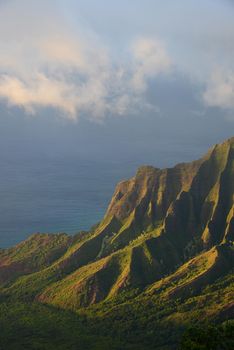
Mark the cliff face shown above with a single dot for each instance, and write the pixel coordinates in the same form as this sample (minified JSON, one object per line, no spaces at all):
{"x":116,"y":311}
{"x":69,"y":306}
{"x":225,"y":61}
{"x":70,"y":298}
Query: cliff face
{"x":160,"y":223}
{"x":189,"y":201}
{"x":205,"y":211}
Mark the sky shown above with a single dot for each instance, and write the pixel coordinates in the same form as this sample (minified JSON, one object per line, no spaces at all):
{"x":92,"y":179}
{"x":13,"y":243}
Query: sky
{"x":145,"y":81}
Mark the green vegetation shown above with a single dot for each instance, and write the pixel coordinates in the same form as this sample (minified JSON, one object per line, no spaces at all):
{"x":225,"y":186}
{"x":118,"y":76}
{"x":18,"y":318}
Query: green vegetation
{"x":39,"y":327}
{"x":209,"y":337}
{"x":128,"y":321}
{"x":160,"y":262}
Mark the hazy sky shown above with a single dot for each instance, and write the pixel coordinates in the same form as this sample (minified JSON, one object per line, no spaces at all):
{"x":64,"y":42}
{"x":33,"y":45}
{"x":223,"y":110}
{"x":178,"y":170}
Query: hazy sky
{"x":150,"y":81}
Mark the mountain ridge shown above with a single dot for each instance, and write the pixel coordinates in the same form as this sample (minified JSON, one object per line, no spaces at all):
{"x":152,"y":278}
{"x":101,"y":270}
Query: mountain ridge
{"x":151,"y":210}
{"x":167,"y":235}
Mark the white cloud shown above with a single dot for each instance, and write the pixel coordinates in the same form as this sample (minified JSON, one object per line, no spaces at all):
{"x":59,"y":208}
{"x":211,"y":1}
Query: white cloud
{"x":44,"y":62}
{"x":150,"y":59}
{"x":220,"y":89}
{"x":39,"y":91}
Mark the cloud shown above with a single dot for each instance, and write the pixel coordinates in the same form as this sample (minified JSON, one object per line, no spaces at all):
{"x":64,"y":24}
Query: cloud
{"x":219,"y":90}
{"x":38,"y":92}
{"x":150,"y":59}
{"x":46,"y":62}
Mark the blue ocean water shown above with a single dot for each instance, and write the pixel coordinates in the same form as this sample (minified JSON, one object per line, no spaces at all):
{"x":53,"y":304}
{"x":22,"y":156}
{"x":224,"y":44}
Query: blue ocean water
{"x":55,"y":195}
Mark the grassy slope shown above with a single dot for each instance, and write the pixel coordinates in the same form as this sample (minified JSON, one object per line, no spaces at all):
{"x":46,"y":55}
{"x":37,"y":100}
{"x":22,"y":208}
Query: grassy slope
{"x":143,"y":274}
{"x":153,"y":319}
{"x":147,"y":321}
{"x":152,"y":247}
{"x":34,"y":254}
{"x":37,"y":327}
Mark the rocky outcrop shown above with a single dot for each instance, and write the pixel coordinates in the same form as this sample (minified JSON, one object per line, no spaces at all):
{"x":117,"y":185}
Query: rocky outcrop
{"x":163,"y":227}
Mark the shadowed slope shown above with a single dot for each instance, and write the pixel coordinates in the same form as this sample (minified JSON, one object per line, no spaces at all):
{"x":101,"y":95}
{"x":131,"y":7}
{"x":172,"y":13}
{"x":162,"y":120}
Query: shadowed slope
{"x":37,"y":252}
{"x":157,"y":221}
{"x":205,"y":211}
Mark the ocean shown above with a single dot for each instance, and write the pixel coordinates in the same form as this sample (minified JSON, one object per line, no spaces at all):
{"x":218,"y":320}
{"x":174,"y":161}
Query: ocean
{"x":55,"y":195}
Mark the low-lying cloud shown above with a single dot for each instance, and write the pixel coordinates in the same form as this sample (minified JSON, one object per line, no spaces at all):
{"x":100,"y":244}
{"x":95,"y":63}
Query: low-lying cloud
{"x":220,"y":89}
{"x":46,"y":63}
{"x":50,"y":60}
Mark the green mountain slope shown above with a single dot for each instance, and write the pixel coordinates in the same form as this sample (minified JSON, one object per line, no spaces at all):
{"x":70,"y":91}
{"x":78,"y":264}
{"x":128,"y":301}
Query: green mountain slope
{"x":37,"y":252}
{"x":163,"y":253}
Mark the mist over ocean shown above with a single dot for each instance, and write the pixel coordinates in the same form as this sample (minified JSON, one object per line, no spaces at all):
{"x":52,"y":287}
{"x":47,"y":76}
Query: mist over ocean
{"x":55,"y":195}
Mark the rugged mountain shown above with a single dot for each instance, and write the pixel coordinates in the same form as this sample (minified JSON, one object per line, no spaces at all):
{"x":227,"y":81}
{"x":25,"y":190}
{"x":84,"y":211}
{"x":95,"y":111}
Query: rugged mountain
{"x":155,"y":222}
{"x":37,"y":252}
{"x":167,"y":235}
